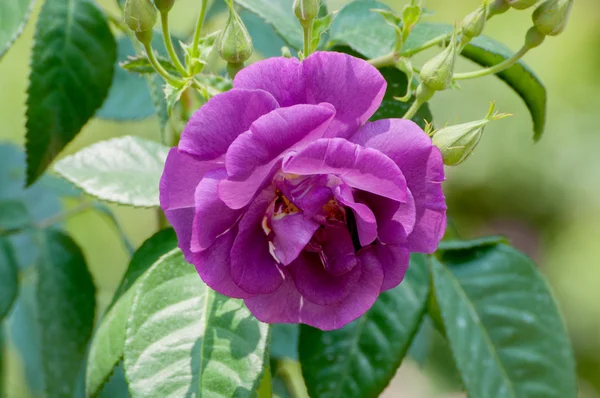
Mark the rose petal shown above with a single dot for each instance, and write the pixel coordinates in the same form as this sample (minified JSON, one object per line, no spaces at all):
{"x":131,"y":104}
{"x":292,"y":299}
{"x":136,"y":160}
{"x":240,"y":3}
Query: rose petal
{"x":278,"y":76}
{"x":317,"y":285}
{"x":351,"y":85}
{"x":273,"y":134}
{"x":362,"y":168}
{"x":213,"y":217}
{"x":395,"y":220}
{"x":253,"y":268}
{"x":393,"y":259}
{"x":338,"y":250}
{"x":218,"y":123}
{"x":286,"y":305}
{"x":214,"y":266}
{"x":292,"y":233}
{"x":421,"y":163}
{"x":238,"y":194}
{"x":178,"y":183}
{"x":366,"y":222}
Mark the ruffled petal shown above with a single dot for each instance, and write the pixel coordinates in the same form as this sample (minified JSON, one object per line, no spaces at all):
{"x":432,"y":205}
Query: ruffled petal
{"x":338,"y":253}
{"x":393,"y":259}
{"x":366,"y":223}
{"x":351,"y":85}
{"x":292,"y":233}
{"x":179,"y":180}
{"x":278,"y":76}
{"x":362,"y":168}
{"x":213,"y":217}
{"x":253,"y":268}
{"x":317,"y":285}
{"x":238,"y":194}
{"x":421,"y":163}
{"x":273,"y":134}
{"x":395,"y":220}
{"x":218,"y":123}
{"x":214,"y":266}
{"x":287,"y":305}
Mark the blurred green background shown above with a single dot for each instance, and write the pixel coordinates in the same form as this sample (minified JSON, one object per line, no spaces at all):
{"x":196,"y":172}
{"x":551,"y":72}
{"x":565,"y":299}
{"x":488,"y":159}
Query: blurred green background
{"x":544,"y":197}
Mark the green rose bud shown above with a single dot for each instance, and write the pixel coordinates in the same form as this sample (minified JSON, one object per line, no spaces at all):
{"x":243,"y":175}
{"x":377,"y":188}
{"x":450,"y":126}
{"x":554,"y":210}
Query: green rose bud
{"x":235,"y":43}
{"x":473,"y":24}
{"x":551,"y":17}
{"x":457,"y":142}
{"x":522,"y":4}
{"x":498,"y":7}
{"x":164,"y":6}
{"x":306,"y":11}
{"x":438,"y":71}
{"x":140,"y":15}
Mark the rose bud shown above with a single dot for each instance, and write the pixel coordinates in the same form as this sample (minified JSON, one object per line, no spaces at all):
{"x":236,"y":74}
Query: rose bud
{"x":473,"y":24}
{"x":551,"y":17}
{"x":522,"y":4}
{"x":306,"y":11}
{"x":437,"y":73}
{"x":235,"y":43}
{"x":164,"y":6}
{"x":140,"y":16}
{"x":457,"y":142}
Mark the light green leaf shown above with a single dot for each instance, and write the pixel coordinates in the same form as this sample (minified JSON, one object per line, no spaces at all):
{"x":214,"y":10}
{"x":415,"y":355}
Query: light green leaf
{"x":66,"y":304}
{"x":14,"y":14}
{"x":360,"y":359}
{"x":217,"y":82}
{"x":423,"y":34}
{"x":363,"y":30}
{"x":280,"y":15}
{"x":502,"y":324}
{"x":106,"y":350}
{"x":71,"y":72}
{"x":488,"y":52}
{"x":124,"y":170}
{"x":140,"y":64}
{"x":9,"y":283}
{"x":184,"y":339}
{"x":173,"y":94}
{"x":320,"y":27}
{"x":471,"y":244}
{"x":264,"y":38}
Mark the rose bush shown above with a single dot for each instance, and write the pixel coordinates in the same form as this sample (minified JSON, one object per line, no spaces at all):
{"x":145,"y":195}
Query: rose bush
{"x":283,"y":194}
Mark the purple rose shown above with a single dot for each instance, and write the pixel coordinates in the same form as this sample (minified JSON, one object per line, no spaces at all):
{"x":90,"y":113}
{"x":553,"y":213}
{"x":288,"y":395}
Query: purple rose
{"x":282,"y":194}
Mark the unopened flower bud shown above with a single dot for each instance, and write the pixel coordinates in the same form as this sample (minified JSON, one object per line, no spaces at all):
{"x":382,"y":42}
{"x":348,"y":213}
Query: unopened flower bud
{"x":235,"y":43}
{"x":457,"y":142}
{"x":473,"y":24}
{"x":438,"y":71}
{"x":140,"y":15}
{"x":498,"y":7}
{"x":534,"y":37}
{"x":522,"y":4}
{"x":551,"y":17}
{"x":306,"y":11}
{"x":164,"y":5}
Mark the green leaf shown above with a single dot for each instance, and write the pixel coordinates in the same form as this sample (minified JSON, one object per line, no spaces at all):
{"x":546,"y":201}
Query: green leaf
{"x":280,"y":15}
{"x":14,"y":14}
{"x":106,"y":350}
{"x":71,"y":73}
{"x":320,"y":27}
{"x":13,"y":215}
{"x":185,"y":339}
{"x":173,"y":94}
{"x":284,"y":341}
{"x":219,"y":83}
{"x":264,"y":38}
{"x":140,"y":64}
{"x":124,"y":170}
{"x":471,"y":244}
{"x":392,"y":108}
{"x":9,"y":282}
{"x":502,"y":324}
{"x":363,"y":30}
{"x":423,"y":33}
{"x":488,"y":52}
{"x":66,"y":302}
{"x":360,"y":359}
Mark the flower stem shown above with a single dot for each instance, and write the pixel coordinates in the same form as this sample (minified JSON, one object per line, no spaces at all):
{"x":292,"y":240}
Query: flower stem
{"x":159,"y":68}
{"x":307,"y":39}
{"x":291,"y":373}
{"x":164,"y":17}
{"x":496,"y":68}
{"x":198,"y":33}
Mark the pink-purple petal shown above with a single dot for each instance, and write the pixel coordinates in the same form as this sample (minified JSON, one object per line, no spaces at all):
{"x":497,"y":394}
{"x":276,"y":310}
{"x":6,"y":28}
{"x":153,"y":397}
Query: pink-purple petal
{"x":292,"y":234}
{"x":253,"y":268}
{"x":238,"y":194}
{"x":366,"y":223}
{"x":350,"y":84}
{"x":214,"y":266}
{"x":278,"y":76}
{"x":213,"y":217}
{"x":218,"y":123}
{"x":286,"y":305}
{"x":271,"y":135}
{"x":393,"y":259}
{"x":338,"y":252}
{"x":361,"y":168}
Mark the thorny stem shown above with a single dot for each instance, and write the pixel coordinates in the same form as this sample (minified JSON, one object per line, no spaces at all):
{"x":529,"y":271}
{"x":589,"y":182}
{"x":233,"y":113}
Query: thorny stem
{"x":164,"y":17}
